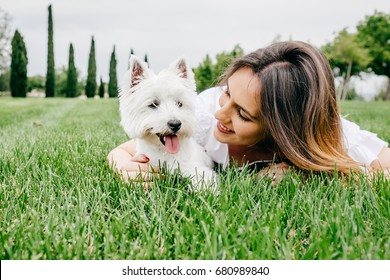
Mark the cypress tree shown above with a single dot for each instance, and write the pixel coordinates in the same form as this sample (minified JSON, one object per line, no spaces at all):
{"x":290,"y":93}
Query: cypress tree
{"x":128,"y":61}
{"x":101,"y":88}
{"x":90,"y":87}
{"x":18,"y":79}
{"x":71,"y":83}
{"x":50,"y":74}
{"x":146,"y":59}
{"x":113,"y":82}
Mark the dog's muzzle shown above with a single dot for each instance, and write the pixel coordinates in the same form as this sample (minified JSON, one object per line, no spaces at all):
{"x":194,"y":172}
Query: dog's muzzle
{"x":174,"y":125}
{"x":169,"y":139}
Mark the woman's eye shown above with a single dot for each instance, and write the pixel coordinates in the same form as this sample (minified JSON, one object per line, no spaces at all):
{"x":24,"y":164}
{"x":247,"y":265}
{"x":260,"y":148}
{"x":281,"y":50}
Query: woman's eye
{"x":179,"y":104}
{"x":242,"y":116}
{"x":154,"y":104}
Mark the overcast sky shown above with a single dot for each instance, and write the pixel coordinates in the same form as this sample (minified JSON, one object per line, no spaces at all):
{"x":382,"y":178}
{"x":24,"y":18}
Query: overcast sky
{"x":167,"y":29}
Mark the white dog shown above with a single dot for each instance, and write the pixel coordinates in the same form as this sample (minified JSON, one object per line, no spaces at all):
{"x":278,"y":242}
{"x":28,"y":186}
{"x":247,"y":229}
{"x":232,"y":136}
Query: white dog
{"x":158,"y":111}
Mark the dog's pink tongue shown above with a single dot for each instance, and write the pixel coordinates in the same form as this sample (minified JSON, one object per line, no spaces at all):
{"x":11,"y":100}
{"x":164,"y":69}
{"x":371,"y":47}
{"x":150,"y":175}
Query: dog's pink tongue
{"x":172,"y":144}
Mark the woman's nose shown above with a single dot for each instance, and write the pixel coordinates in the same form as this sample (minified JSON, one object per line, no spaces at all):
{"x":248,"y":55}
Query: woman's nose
{"x":223,"y":114}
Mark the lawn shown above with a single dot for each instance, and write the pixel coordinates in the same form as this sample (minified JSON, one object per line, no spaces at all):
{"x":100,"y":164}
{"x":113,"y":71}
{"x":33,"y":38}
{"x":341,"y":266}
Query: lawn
{"x":59,"y":199}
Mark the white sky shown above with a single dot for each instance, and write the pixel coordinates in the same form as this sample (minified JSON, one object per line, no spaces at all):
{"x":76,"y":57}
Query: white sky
{"x":167,"y":29}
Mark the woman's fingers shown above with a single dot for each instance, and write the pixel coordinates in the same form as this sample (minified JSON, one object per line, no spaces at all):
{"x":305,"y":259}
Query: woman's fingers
{"x":275,"y":171}
{"x":140,"y":158}
{"x":138,"y":176}
{"x":138,"y":163}
{"x":137,"y":169}
{"x":132,"y":168}
{"x":145,"y":179}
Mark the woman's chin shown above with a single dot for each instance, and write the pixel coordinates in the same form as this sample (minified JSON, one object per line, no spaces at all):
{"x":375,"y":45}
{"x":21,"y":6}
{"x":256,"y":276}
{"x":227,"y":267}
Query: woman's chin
{"x":222,"y":138}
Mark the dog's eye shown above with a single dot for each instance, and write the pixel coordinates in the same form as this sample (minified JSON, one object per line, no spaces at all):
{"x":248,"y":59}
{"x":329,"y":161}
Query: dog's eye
{"x":179,"y":104}
{"x":154,"y":104}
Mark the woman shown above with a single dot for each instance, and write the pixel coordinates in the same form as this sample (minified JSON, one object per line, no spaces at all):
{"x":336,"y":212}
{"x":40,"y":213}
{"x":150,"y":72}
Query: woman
{"x":276,"y":105}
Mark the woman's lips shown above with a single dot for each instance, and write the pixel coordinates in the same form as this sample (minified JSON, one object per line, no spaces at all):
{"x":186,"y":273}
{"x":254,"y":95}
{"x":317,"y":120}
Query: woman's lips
{"x":224,"y":129}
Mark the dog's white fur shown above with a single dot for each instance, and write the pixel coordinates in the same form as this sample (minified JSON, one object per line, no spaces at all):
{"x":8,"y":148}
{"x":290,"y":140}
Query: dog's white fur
{"x":150,"y":103}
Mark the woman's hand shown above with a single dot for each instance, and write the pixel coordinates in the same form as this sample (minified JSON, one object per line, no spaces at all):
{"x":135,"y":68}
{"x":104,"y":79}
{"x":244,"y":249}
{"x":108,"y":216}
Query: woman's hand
{"x":136,"y":169}
{"x":129,"y":166}
{"x":382,"y":164}
{"x":275,"y":171}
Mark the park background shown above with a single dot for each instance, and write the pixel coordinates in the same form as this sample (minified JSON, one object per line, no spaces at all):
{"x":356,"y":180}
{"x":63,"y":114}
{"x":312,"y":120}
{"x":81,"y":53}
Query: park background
{"x":60,"y":200}
{"x":201,"y":30}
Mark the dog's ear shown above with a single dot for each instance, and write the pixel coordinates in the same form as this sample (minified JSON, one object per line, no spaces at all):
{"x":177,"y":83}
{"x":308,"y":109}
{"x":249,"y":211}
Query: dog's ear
{"x":180,"y":67}
{"x":138,"y":71}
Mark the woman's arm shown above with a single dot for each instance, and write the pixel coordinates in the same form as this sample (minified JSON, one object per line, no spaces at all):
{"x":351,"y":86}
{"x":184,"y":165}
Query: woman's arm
{"x":383,"y":162}
{"x":129,"y":166}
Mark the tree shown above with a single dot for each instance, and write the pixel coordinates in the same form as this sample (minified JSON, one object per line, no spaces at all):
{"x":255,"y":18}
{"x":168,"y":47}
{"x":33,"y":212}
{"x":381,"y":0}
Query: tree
{"x":71,"y":88}
{"x":348,"y":56}
{"x":50,"y":74}
{"x":112,"y":83}
{"x":223,"y":61}
{"x":18,"y":79}
{"x":90,"y":87}
{"x":5,"y":50}
{"x":61,"y":82}
{"x":207,"y":74}
{"x":146,"y":60}
{"x":374,"y":33}
{"x":36,"y":82}
{"x":5,"y":41}
{"x":203,"y":74}
{"x":4,"y":81}
{"x":101,"y":88}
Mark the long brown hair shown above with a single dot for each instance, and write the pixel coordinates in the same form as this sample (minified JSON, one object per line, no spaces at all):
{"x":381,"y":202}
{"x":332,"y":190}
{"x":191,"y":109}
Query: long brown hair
{"x":298,"y":104}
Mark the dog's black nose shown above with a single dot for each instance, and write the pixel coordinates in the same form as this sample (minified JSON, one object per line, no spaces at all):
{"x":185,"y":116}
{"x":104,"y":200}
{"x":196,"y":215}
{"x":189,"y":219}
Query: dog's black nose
{"x":174,"y":125}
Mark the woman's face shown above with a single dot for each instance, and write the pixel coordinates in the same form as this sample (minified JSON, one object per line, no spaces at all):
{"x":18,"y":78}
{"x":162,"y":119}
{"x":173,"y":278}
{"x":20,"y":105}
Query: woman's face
{"x":239,"y":121}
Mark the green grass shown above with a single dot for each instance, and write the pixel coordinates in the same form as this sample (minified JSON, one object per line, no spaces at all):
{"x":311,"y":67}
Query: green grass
{"x":59,"y":199}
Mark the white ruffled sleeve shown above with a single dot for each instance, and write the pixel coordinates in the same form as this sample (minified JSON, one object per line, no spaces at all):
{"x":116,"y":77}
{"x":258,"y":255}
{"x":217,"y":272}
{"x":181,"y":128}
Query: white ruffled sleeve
{"x":205,"y":109}
{"x":361,"y":145}
{"x":207,"y":105}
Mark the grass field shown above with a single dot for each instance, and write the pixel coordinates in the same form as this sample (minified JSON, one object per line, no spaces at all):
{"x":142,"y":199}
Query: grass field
{"x":59,"y":199}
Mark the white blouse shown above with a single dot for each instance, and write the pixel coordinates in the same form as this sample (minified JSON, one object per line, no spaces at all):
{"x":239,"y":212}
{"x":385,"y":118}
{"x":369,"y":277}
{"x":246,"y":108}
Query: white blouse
{"x":361,"y":145}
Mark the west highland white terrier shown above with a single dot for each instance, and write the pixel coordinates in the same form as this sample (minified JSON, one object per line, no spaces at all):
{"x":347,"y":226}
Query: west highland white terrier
{"x":158,"y":111}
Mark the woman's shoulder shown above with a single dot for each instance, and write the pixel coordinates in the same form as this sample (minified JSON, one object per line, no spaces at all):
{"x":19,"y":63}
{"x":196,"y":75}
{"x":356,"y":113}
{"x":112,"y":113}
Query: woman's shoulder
{"x":207,"y":105}
{"x":210,"y":96}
